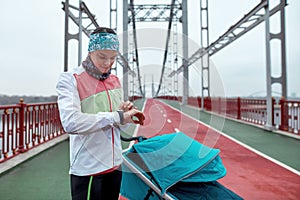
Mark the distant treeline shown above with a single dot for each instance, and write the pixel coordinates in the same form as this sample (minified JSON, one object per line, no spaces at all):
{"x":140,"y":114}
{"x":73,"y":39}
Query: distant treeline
{"x":10,"y":100}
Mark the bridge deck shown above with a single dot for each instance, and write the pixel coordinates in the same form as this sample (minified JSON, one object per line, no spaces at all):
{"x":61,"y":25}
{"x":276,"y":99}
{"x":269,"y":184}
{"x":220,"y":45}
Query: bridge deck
{"x":260,"y":164}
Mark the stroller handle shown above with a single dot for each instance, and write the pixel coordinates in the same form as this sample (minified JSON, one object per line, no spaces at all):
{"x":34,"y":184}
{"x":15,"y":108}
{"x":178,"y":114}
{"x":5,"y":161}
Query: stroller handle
{"x":138,"y":138}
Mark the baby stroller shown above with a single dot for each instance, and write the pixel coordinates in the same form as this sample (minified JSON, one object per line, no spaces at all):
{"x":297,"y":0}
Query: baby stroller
{"x":173,"y":166}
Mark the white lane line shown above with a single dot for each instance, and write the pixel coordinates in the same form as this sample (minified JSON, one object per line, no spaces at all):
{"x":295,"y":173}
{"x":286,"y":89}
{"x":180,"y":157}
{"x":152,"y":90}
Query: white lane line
{"x":169,"y":121}
{"x":136,"y":129}
{"x":177,"y":130}
{"x":164,"y":115}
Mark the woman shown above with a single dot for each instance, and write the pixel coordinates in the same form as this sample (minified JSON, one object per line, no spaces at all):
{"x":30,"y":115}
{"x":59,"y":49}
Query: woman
{"x":92,"y":112}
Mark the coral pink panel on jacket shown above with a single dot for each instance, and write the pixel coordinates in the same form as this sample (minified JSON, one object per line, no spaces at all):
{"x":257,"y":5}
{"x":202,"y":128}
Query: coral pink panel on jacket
{"x":88,"y":85}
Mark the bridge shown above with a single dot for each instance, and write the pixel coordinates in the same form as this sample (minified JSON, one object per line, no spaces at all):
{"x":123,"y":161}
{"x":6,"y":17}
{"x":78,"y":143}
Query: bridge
{"x":258,"y":136}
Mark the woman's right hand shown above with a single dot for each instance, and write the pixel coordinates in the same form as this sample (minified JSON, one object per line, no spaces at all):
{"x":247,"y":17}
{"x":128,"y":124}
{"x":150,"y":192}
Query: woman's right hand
{"x":134,"y":116}
{"x":125,"y":106}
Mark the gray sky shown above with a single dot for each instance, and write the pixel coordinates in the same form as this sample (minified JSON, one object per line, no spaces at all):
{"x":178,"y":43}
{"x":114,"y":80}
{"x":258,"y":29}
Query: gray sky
{"x":32,"y":41}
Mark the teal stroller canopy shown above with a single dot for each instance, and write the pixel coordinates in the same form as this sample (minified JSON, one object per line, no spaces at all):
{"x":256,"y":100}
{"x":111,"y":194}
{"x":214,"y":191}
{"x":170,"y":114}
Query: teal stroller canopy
{"x":177,"y":165}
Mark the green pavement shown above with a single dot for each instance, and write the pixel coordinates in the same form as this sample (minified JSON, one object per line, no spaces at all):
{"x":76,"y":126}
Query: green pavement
{"x":43,"y":177}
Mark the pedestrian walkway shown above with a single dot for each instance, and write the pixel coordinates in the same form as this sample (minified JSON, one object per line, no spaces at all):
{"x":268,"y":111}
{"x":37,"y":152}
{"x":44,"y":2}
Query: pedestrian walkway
{"x":248,"y":152}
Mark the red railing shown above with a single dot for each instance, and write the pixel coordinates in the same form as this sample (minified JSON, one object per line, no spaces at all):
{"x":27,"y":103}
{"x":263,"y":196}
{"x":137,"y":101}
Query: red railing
{"x":285,"y":114}
{"x":290,"y":113}
{"x":24,"y":126}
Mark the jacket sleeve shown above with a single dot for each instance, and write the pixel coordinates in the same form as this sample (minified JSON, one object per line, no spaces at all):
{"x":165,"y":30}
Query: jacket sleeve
{"x":73,"y":120}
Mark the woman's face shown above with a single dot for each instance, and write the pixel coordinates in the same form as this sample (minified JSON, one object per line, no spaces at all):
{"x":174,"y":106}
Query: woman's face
{"x":103,"y":59}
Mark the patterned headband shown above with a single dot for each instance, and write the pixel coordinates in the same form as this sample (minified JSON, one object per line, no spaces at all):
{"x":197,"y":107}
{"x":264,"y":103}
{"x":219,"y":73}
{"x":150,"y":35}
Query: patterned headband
{"x":103,"y":41}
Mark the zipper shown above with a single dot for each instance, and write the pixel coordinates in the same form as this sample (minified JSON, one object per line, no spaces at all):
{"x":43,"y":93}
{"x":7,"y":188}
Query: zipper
{"x":112,"y":129}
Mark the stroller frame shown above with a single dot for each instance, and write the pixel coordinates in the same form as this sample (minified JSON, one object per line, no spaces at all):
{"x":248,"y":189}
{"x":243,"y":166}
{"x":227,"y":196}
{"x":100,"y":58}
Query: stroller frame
{"x":146,"y":180}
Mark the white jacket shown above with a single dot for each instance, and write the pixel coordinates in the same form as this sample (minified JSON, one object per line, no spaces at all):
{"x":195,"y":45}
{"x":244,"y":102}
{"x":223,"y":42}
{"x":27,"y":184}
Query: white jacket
{"x":95,"y":144}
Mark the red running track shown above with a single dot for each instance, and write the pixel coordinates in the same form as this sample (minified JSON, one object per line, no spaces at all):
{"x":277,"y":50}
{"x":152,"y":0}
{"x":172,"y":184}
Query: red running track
{"x":248,"y":174}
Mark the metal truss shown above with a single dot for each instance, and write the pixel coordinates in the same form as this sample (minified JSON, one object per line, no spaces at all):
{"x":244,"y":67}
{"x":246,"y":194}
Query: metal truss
{"x":113,"y":15}
{"x":155,"y":13}
{"x":86,"y":25}
{"x":269,"y":78}
{"x":131,"y":8}
{"x":123,"y":62}
{"x":205,"y":68}
{"x":247,"y":23}
{"x":148,"y":13}
{"x":82,"y":9}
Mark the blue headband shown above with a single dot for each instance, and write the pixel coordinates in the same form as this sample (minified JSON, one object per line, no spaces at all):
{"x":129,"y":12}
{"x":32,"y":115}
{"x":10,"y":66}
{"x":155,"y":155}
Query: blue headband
{"x":103,"y":41}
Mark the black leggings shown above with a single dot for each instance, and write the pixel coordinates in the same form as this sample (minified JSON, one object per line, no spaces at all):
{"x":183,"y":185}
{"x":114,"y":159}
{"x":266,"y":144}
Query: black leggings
{"x":103,"y":186}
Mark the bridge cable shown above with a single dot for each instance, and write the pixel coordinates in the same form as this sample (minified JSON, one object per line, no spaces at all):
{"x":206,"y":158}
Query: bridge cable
{"x":167,"y":45}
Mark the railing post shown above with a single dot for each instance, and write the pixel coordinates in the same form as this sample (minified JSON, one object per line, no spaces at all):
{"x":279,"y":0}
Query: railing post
{"x":239,"y":108}
{"x":199,"y":102}
{"x":284,"y":115}
{"x":273,"y":111}
{"x":21,"y":125}
{"x":219,"y":107}
{"x":207,"y":103}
